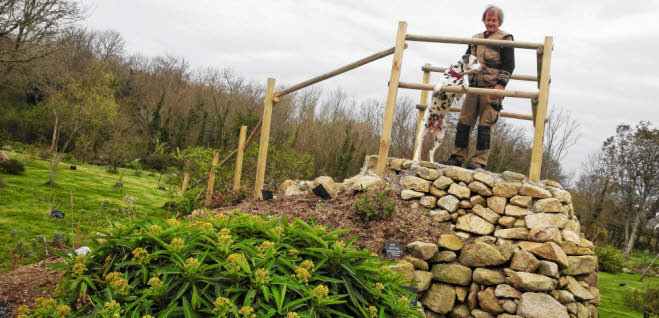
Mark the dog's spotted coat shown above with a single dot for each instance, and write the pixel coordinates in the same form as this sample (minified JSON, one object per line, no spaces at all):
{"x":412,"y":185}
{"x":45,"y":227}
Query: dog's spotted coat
{"x":434,"y":119}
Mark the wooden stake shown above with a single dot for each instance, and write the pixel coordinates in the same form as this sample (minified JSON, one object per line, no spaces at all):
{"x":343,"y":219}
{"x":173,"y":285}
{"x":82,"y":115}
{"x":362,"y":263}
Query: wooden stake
{"x":239,"y":158}
{"x":423,"y":102}
{"x":268,"y":103}
{"x":186,"y":178}
{"x":211,"y":179}
{"x":541,"y":113}
{"x":648,"y":268}
{"x":390,"y":109}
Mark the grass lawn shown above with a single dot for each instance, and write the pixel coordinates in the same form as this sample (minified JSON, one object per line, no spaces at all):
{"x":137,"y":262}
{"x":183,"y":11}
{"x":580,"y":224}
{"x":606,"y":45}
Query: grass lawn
{"x":24,"y":207}
{"x":613,"y":295}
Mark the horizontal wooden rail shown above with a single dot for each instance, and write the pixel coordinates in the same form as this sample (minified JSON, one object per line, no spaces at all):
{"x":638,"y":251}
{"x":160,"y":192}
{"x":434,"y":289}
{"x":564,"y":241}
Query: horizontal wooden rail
{"x":529,"y":78}
{"x":473,"y":41}
{"x":502,"y":114}
{"x":336,"y":72}
{"x":471,"y":90}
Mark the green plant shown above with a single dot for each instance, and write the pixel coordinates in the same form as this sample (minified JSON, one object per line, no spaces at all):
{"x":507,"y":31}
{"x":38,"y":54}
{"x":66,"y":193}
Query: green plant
{"x":234,"y":265}
{"x":370,"y":206}
{"x":645,"y":299}
{"x":610,"y":259}
{"x":12,"y":166}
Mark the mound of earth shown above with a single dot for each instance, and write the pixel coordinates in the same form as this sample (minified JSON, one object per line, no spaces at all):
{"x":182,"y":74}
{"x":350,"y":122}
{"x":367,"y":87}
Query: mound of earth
{"x":27,"y":283}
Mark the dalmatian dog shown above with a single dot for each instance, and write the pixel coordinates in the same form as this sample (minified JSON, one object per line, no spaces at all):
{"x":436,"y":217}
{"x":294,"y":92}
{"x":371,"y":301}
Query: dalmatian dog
{"x":434,"y":119}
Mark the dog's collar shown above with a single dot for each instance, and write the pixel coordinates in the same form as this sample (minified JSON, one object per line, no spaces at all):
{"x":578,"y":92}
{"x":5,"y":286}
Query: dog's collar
{"x":454,"y":73}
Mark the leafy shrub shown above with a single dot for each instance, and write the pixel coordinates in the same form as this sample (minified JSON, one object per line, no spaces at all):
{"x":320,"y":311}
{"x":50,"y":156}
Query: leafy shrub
{"x":646,"y":300}
{"x":371,"y":206}
{"x":233,"y":265}
{"x":610,"y":259}
{"x":184,"y":205}
{"x":12,"y":166}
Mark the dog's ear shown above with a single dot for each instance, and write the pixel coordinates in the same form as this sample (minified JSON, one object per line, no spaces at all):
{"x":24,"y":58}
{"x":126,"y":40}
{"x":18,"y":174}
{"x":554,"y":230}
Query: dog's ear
{"x":465,"y":58}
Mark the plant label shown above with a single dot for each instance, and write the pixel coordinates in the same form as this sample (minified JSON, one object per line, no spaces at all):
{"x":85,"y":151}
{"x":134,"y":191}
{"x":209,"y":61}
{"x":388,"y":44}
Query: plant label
{"x":57,"y":214}
{"x":73,"y":167}
{"x":161,"y":188}
{"x":119,"y":184}
{"x":266,"y":195}
{"x":393,"y":249}
{"x":321,"y":192}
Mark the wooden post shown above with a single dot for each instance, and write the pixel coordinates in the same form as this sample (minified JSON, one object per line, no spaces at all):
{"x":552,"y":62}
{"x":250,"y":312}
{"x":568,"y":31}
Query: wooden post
{"x":534,"y":102}
{"x":541,"y":113}
{"x":391,"y":98}
{"x":423,"y":102}
{"x":211,"y":179}
{"x":239,"y":158}
{"x":268,"y":103}
{"x":648,"y":268}
{"x":186,"y":178}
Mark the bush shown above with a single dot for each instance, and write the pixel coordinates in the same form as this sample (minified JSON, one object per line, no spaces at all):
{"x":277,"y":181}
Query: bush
{"x":233,"y":265}
{"x":12,"y":166}
{"x":370,"y":206}
{"x":610,"y":259}
{"x":646,"y":300}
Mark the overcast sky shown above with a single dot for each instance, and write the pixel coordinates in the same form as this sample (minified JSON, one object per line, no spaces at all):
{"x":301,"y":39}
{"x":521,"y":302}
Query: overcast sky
{"x":604,"y":67}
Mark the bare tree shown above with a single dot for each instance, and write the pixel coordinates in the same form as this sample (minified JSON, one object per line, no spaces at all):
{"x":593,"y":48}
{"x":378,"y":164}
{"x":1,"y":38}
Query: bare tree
{"x":561,"y":133}
{"x":108,"y":44}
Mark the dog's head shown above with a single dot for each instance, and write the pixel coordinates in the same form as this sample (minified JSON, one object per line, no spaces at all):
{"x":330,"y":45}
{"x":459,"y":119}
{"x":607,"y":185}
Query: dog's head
{"x":470,"y":64}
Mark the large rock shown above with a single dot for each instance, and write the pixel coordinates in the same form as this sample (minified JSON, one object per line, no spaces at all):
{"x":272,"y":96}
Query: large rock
{"x":521,"y":201}
{"x":410,"y":194}
{"x":529,"y":281}
{"x":426,"y":173}
{"x":418,"y":263}
{"x":328,"y":183}
{"x":415,"y":183}
{"x":540,"y":305}
{"x":524,"y":261}
{"x":561,"y":195}
{"x":480,"y":255}
{"x":474,"y":224}
{"x":517,"y":233}
{"x":489,"y":302}
{"x":507,"y":291}
{"x":459,"y":311}
{"x":570,"y":236}
{"x":534,"y":191}
{"x":507,"y":221}
{"x":428,"y":201}
{"x":551,"y":252}
{"x":480,"y":188}
{"x":579,"y":292}
{"x":449,"y":203}
{"x":442,"y":183}
{"x":449,"y":242}
{"x":405,"y":268}
{"x":423,"y":279}
{"x":578,"y":265}
{"x":572,"y":249}
{"x":545,"y":233}
{"x":459,"y":174}
{"x":422,"y":250}
{"x":479,"y":313}
{"x":506,"y":189}
{"x":497,"y":204}
{"x":509,"y":175}
{"x":452,"y":273}
{"x":484,"y":178}
{"x":548,"y":268}
{"x":548,"y":205}
{"x":290,"y":188}
{"x":439,"y":298}
{"x":366,"y":183}
{"x":486,"y":213}
{"x":443,"y":257}
{"x":515,"y":211}
{"x":563,"y":296}
{"x":459,"y":191}
{"x":486,"y":276}
{"x":553,"y":219}
{"x":440,"y":215}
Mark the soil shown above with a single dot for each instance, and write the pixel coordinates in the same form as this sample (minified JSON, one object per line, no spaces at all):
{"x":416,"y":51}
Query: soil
{"x":27,"y":283}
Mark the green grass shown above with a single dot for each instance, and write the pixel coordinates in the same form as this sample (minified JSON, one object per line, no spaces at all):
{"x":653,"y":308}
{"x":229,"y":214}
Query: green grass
{"x":613,"y":295}
{"x":23,"y":204}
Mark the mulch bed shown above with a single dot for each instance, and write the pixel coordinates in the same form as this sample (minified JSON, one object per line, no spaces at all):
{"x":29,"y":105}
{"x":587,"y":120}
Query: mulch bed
{"x":27,"y":283}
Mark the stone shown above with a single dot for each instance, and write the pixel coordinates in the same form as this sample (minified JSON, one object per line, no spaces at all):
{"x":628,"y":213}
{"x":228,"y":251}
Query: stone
{"x":526,"y":245}
{"x":506,"y":247}
{"x":460,"y":311}
{"x":478,"y":313}
{"x":437,"y":192}
{"x":442,"y":183}
{"x":406,"y":163}
{"x":515,"y":211}
{"x":461,"y":293}
{"x":524,"y":261}
{"x":552,"y":183}
{"x":545,"y":233}
{"x":579,"y":292}
{"x":486,"y":276}
{"x":579,"y":265}
{"x":563,"y":296}
{"x":405,"y":268}
{"x":596,"y":295}
{"x":328,"y":183}
{"x":415,"y":183}
{"x":572,"y":308}
{"x":507,"y":291}
{"x":486,"y":213}
{"x":507,"y":221}
{"x":594,"y":311}
{"x":540,"y":305}
{"x":459,"y":191}
{"x":474,"y":224}
{"x":513,"y":176}
{"x":561,"y":195}
{"x":439,"y":298}
{"x":489,"y":302}
{"x":585,"y":243}
{"x":487,"y":239}
{"x":290,"y":188}
{"x":509,"y":306}
{"x":506,"y":189}
{"x":418,"y":263}
{"x":480,"y":188}
{"x":517,"y":233}
{"x":480,"y":255}
{"x":459,"y":174}
{"x":466,"y":204}
{"x":477,"y":199}
{"x":472,"y":297}
{"x":570,"y":236}
{"x":452,"y":273}
{"x":484,"y":178}
{"x":549,"y":205}
{"x":519,"y":223}
{"x":572,"y":249}
{"x":497,"y":204}
{"x":449,"y":242}
{"x":422,"y":250}
{"x":423,"y":280}
{"x":395,"y":164}
{"x":440,"y":215}
{"x":449,"y":203}
{"x":428,"y":201}
{"x":462,"y":235}
{"x":591,"y":279}
{"x":573,"y":225}
{"x":548,"y":268}
{"x":508,"y":316}
{"x":410,"y":194}
{"x":551,"y":252}
{"x":366,"y":183}
{"x":557,"y":220}
{"x":443,"y":257}
{"x":521,"y":201}
{"x":426,"y":173}
{"x":534,"y":191}
{"x":530,"y":281}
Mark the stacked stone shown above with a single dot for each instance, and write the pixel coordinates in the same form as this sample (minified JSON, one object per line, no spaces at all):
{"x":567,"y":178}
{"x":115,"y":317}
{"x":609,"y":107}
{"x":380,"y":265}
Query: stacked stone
{"x":516,"y":250}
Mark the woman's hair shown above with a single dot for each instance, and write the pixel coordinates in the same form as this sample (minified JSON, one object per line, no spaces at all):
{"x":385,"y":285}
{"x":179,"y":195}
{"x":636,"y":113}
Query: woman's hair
{"x":495,"y":9}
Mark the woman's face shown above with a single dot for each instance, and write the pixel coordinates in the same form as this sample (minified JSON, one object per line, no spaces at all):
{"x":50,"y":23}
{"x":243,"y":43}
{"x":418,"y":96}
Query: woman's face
{"x":491,"y":22}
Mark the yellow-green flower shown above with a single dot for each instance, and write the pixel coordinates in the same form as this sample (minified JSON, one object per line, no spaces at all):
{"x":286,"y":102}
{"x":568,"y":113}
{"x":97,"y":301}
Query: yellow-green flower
{"x":154,"y":229}
{"x":246,"y":312}
{"x":78,"y":269}
{"x":265,"y":246}
{"x":308,"y":265}
{"x":221,"y":305}
{"x":177,"y":243}
{"x":157,"y":288}
{"x":234,"y":261}
{"x":262,"y":276}
{"x":278,"y":230}
{"x":302,"y":275}
{"x":339,"y":245}
{"x":117,"y":283}
{"x":111,"y":308}
{"x":293,"y":252}
{"x":372,"y":311}
{"x":172,"y":222}
{"x":292,"y":315}
{"x":320,"y":292}
{"x":140,"y":256}
{"x":191,"y":264}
